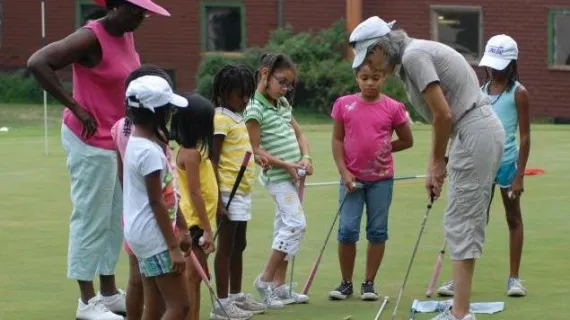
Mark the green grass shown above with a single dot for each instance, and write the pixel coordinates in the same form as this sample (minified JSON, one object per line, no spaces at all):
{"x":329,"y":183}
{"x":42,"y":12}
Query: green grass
{"x":35,"y":208}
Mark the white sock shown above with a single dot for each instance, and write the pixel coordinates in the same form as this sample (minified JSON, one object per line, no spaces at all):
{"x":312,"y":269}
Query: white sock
{"x":224,"y":301}
{"x":235,"y":295}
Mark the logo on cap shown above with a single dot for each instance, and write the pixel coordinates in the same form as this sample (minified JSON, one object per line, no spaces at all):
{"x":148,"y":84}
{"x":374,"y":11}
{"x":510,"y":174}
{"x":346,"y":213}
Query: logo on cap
{"x":496,"y":50}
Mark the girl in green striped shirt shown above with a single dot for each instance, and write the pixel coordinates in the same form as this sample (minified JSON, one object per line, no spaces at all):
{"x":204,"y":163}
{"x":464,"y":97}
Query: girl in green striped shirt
{"x":275,"y":134}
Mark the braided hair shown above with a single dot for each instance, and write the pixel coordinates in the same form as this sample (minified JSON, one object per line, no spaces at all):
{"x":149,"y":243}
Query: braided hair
{"x":274,"y":62}
{"x":510,"y":73}
{"x":232,"y":78}
{"x":144,"y":115}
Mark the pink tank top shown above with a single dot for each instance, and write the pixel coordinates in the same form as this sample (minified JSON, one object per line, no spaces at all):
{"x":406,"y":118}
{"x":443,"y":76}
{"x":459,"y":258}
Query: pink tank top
{"x":101,"y":90}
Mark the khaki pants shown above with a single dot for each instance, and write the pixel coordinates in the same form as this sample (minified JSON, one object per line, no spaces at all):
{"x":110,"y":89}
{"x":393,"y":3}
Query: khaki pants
{"x":474,"y":156}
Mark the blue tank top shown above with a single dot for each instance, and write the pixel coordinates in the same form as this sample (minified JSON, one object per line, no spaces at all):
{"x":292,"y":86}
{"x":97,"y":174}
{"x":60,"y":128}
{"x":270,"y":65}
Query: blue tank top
{"x":505,"y":107}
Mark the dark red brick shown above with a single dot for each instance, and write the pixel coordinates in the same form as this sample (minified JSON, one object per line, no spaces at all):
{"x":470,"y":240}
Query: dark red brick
{"x":174,"y":43}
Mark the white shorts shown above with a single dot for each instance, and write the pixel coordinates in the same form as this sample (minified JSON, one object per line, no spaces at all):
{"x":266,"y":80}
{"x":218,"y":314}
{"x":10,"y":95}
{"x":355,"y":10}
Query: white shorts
{"x":290,"y":224}
{"x":240,"y":208}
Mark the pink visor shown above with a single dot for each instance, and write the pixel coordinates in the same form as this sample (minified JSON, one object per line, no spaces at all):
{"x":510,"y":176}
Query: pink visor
{"x":145,"y":4}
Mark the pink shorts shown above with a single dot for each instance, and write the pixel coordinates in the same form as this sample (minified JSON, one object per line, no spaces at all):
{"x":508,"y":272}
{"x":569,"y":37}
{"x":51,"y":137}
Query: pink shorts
{"x":128,"y":249}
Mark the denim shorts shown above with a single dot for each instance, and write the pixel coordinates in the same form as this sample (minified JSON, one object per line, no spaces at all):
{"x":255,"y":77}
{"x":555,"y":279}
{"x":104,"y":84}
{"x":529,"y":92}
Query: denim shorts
{"x":156,"y":265}
{"x":377,"y":195}
{"x":506,"y":174}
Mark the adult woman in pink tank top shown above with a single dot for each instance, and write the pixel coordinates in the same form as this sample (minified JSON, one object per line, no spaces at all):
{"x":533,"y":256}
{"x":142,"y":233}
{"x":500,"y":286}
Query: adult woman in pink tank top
{"x":102,"y":55}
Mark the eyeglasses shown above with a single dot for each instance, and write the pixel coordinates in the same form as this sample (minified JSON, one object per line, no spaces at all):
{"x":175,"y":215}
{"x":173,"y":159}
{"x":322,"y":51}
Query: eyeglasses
{"x":284,"y":83}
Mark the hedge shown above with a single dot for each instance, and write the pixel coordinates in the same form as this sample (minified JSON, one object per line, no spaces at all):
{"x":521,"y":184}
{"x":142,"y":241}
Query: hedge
{"x":25,"y":90}
{"x":323,"y":72}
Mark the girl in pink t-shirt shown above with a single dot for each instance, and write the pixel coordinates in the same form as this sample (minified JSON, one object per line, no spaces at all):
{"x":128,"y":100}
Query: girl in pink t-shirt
{"x":362,"y":148}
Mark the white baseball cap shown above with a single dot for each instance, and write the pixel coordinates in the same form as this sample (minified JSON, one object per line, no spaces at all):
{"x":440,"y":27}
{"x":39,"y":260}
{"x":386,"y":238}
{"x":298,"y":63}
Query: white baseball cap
{"x":151,"y":92}
{"x":499,"y":52}
{"x":365,"y":35}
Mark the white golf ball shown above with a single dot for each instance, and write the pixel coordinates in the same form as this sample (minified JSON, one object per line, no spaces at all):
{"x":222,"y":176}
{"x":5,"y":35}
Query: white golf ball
{"x":201,"y":241}
{"x":301,"y":172}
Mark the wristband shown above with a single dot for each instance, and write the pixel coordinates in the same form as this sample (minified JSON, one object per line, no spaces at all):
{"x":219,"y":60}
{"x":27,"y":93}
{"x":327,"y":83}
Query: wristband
{"x":308,"y":157}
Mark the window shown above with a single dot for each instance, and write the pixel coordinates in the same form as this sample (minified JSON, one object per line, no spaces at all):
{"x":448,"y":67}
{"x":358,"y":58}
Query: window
{"x":86,"y":10}
{"x":223,"y":26}
{"x":558,"y":39}
{"x":460,"y":27}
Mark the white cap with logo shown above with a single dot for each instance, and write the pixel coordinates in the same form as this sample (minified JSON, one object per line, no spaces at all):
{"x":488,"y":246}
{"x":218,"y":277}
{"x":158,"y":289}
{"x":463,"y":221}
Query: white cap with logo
{"x":151,"y":92}
{"x":365,"y":35}
{"x":499,"y":52}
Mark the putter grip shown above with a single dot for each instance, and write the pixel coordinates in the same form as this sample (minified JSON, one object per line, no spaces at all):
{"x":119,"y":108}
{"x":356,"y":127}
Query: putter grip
{"x":246,"y":159}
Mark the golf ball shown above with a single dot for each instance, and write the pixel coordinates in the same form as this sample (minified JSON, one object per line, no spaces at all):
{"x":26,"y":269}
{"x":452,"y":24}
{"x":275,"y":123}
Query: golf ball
{"x":301,"y":172}
{"x":201,"y":241}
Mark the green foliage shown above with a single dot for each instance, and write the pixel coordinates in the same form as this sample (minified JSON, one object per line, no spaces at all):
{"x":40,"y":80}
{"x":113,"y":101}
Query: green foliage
{"x":323,"y":72}
{"x":19,"y":89}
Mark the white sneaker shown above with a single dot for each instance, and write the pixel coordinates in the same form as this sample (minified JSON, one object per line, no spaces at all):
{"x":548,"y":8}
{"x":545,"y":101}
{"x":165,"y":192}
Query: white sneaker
{"x":116,"y":303}
{"x":268,"y":297}
{"x":447,"y":289}
{"x":515,"y":288}
{"x":288,"y":296}
{"x":447,"y":315}
{"x":246,"y":302}
{"x":229,"y":310}
{"x":94,"y":310}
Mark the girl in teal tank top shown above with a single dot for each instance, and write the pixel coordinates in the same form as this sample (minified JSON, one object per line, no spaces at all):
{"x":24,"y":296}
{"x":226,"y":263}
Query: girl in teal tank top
{"x":510,"y":101}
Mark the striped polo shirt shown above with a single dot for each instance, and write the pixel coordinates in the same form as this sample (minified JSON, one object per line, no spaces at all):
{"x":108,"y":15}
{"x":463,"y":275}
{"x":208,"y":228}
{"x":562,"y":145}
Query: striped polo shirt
{"x":277,"y":133}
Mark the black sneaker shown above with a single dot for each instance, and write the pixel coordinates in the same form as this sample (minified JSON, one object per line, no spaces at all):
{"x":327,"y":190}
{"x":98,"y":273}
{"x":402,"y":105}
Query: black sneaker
{"x":367,"y":292}
{"x":342,"y":292}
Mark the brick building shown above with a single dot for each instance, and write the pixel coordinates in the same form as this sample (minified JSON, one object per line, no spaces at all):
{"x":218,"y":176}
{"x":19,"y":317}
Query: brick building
{"x":198,"y":28}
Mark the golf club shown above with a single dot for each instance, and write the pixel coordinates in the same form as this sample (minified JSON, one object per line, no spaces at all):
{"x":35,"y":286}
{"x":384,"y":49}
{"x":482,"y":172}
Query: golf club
{"x":239,"y":177}
{"x":381,"y":308}
{"x":436,"y":270}
{"x":315,"y":267}
{"x":429,"y":205}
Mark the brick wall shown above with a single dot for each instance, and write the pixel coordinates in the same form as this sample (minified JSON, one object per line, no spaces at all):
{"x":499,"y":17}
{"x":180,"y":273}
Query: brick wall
{"x":524,"y":20}
{"x":174,"y":43}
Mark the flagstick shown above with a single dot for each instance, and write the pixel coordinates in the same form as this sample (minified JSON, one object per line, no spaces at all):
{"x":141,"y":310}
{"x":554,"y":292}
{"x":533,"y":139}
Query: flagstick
{"x":46,"y":147}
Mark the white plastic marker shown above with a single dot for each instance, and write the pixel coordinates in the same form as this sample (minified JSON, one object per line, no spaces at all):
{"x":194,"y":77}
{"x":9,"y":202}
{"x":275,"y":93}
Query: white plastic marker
{"x":381,"y":308}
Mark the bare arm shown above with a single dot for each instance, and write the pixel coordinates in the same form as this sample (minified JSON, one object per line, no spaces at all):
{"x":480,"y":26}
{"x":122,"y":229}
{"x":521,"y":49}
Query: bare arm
{"x":45,"y":62}
{"x":216,"y":151}
{"x":338,"y":146}
{"x":301,"y":139}
{"x":255,"y":139}
{"x":120,"y":168}
{"x":191,"y":163}
{"x":433,"y":95}
{"x":523,"y":110}
{"x":405,"y":137}
{"x":154,"y":191}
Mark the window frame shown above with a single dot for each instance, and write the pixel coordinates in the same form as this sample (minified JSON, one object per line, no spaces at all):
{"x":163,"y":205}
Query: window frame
{"x":551,"y":38}
{"x":433,"y":14}
{"x":78,"y":5}
{"x":204,"y":26}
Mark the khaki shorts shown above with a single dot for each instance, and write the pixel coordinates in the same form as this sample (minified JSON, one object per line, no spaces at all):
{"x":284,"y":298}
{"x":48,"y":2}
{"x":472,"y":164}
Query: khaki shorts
{"x":474,"y":157}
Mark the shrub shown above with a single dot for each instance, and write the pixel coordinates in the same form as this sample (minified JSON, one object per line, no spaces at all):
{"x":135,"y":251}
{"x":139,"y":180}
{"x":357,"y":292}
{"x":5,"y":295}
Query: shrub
{"x":323,"y":72}
{"x":20,"y":89}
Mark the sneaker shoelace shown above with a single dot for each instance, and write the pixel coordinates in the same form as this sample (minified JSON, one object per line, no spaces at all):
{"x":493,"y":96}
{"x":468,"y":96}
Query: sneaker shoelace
{"x":99,"y":305}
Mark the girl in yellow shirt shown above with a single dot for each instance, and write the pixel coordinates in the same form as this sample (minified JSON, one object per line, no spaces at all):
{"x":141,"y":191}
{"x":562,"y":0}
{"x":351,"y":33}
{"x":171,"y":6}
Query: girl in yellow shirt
{"x":192,"y":128}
